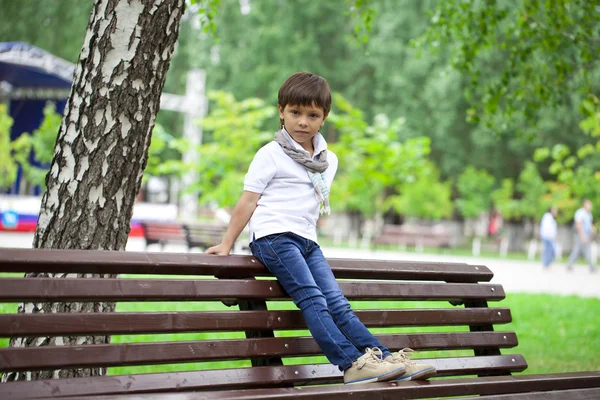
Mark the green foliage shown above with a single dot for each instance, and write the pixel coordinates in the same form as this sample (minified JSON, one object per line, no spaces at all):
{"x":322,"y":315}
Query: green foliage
{"x":164,"y":154}
{"x":425,"y":196}
{"x":363,"y":14}
{"x":474,"y":188}
{"x":503,"y":199}
{"x":591,"y":110}
{"x":44,"y":137}
{"x":235,"y":135}
{"x":8,"y":166}
{"x":17,"y":152}
{"x":533,"y":188}
{"x":539,"y":52}
{"x":207,"y":12}
{"x":372,"y":159}
{"x":41,"y":142}
{"x":55,"y":26}
{"x":560,"y":195}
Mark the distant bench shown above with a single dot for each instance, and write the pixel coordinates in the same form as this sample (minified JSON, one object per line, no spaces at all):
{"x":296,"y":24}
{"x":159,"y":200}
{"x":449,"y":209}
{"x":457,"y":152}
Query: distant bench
{"x":192,"y":235}
{"x":470,"y":327}
{"x":417,"y":236}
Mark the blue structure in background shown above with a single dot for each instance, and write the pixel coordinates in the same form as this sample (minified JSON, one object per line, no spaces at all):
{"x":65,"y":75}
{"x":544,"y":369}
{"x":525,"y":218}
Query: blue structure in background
{"x":30,"y":77}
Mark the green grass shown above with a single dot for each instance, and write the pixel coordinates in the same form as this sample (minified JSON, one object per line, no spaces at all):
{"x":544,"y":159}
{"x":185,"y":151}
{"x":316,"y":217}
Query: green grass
{"x":556,"y":334}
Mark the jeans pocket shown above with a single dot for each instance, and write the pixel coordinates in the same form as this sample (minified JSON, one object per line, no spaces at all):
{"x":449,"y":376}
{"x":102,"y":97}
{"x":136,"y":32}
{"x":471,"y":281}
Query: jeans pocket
{"x":276,"y":236}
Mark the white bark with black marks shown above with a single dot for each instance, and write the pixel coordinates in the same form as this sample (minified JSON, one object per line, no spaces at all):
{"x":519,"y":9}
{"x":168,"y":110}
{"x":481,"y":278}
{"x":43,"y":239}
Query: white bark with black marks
{"x":102,"y":145}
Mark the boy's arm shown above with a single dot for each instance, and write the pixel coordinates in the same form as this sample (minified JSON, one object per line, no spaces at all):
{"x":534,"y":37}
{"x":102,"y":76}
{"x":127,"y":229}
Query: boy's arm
{"x":241,"y":215}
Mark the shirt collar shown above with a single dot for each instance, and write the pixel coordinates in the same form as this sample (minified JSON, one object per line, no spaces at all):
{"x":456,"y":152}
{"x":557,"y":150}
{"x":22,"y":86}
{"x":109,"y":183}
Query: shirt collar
{"x":319,"y":142}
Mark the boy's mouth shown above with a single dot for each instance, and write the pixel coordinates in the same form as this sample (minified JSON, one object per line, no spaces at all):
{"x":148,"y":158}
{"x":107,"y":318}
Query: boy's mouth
{"x":302,"y":132}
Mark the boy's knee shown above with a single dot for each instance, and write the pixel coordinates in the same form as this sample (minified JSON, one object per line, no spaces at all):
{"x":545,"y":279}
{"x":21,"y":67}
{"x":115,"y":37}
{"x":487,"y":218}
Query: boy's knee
{"x":312,"y":298}
{"x":338,"y":304}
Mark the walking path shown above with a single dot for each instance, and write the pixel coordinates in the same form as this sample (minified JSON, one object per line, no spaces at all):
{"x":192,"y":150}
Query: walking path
{"x":515,"y":276}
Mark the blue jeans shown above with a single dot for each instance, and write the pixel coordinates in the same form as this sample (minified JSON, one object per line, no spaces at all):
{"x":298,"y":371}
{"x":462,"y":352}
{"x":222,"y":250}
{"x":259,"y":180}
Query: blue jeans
{"x":304,"y":274}
{"x":549,"y":252}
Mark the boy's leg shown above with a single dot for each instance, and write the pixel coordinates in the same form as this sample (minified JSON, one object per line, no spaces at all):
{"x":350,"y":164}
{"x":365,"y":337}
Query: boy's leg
{"x":338,"y":305}
{"x":282,"y":256}
{"x":349,"y":323}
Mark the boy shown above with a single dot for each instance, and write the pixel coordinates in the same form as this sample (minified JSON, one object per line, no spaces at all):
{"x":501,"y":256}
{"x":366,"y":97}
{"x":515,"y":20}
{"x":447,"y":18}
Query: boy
{"x":285,"y":190}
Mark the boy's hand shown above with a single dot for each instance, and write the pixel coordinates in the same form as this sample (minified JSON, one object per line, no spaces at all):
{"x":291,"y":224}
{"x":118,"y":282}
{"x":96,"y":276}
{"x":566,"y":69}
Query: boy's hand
{"x":220,"y":250}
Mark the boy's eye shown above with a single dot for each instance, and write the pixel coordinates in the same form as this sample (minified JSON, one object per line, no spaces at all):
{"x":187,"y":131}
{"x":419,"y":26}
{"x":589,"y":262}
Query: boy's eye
{"x":314,"y":116}
{"x":295,"y":112}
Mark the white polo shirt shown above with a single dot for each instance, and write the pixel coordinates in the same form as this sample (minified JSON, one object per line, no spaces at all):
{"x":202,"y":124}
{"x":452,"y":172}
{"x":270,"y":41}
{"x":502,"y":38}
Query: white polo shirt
{"x":288,"y":202}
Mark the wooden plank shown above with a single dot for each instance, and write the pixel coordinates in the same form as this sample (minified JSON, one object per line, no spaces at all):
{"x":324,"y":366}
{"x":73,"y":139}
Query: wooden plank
{"x":116,"y":262}
{"x":54,"y":357}
{"x":98,"y":289}
{"x":393,"y":391}
{"x":231,"y":378}
{"x":575,"y":394}
{"x":172,"y":322}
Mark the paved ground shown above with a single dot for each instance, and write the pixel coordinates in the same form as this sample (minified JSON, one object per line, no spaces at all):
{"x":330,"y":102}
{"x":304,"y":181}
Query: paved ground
{"x":515,"y":276}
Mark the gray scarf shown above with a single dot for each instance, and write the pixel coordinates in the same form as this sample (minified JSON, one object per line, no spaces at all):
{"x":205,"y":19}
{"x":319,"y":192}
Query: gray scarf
{"x":314,"y":168}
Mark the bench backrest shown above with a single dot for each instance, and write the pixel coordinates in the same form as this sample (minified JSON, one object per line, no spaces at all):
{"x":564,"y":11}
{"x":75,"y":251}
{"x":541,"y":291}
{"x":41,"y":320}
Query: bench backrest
{"x":267,"y":333}
{"x":155,"y":232}
{"x":204,"y":235}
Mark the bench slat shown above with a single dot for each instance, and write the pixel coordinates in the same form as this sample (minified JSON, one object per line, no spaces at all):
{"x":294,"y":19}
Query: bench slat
{"x":391,"y":391}
{"x":41,"y":324}
{"x":233,"y":378}
{"x":575,"y":394}
{"x":50,"y":357}
{"x":94,"y":289}
{"x":117,"y":262}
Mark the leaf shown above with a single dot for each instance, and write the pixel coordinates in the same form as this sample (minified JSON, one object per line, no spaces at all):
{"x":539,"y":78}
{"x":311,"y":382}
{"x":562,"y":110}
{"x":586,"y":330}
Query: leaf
{"x":560,"y":151}
{"x":585,"y":151}
{"x":541,"y":154}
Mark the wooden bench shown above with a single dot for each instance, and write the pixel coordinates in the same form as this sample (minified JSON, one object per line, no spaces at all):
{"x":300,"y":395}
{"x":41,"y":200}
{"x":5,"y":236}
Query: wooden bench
{"x":417,"y":236}
{"x":192,"y":235}
{"x":205,"y":235}
{"x":268,"y":371}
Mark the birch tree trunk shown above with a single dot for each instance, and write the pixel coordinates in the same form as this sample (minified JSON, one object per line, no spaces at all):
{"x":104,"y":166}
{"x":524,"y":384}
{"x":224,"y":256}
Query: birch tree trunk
{"x":102,"y":145}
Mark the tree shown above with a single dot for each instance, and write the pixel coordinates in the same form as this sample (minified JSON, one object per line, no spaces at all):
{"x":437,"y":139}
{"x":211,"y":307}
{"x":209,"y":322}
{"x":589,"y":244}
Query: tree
{"x":103,"y":141}
{"x":373,"y":160}
{"x":503,"y":199}
{"x":19,"y":151}
{"x":527,"y":62}
{"x":102,"y":145}
{"x":234,"y":136}
{"x":31,"y":20}
{"x":474,"y":190}
{"x":542,"y":51}
{"x":533,"y":188}
{"x":41,"y":142}
{"x":425,"y":196}
{"x":8,"y":167}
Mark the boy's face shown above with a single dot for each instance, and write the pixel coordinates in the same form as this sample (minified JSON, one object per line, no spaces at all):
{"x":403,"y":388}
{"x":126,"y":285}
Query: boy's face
{"x":302,"y":123}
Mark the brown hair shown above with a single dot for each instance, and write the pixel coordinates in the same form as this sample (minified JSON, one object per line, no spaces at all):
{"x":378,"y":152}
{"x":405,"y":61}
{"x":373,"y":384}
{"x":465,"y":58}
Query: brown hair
{"x":305,"y":89}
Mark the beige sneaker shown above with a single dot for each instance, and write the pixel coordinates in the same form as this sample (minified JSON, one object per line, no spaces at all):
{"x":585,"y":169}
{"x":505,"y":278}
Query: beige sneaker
{"x":370,"y":367}
{"x":414,"y":371}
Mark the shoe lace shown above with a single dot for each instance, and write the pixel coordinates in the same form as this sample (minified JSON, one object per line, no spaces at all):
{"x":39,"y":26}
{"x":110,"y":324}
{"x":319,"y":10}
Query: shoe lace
{"x":404,"y":355}
{"x":374,"y":355}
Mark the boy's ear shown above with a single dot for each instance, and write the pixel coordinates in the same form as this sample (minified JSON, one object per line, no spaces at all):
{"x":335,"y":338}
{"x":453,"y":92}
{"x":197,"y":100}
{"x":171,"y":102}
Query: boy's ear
{"x":324,"y":118}
{"x":280,"y":111}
